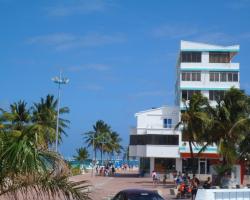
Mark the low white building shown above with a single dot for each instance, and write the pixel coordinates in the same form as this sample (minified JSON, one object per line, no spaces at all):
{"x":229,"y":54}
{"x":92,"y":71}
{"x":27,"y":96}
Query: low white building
{"x":155,"y":140}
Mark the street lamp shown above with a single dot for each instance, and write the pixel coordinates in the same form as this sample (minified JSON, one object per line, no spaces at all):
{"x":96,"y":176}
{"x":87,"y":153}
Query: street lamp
{"x":103,"y":141}
{"x":93,"y":154}
{"x":59,"y":80}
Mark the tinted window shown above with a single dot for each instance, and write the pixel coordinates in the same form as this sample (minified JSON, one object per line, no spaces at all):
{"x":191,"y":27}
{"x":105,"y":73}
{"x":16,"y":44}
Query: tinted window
{"x":191,"y":76}
{"x":144,"y":196}
{"x":119,"y":196}
{"x":223,"y":76}
{"x":216,"y":95}
{"x":219,"y":57}
{"x":235,"y":77}
{"x":167,"y":123}
{"x":154,"y":139}
{"x":191,"y":57}
{"x":187,"y":94}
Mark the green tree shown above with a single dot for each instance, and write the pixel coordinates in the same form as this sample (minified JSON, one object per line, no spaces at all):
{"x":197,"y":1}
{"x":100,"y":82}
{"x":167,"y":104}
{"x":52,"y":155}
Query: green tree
{"x":96,"y":137}
{"x":17,"y":118}
{"x":44,"y":121}
{"x":231,"y":126}
{"x":114,"y":144}
{"x":194,"y":123}
{"x":82,"y":154}
{"x":25,"y":167}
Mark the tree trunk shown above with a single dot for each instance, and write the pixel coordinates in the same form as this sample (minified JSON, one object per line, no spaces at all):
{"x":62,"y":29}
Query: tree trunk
{"x":192,"y":157}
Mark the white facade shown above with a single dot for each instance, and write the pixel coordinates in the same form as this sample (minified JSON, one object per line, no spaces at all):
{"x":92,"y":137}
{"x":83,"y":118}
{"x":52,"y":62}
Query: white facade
{"x":205,"y":67}
{"x":154,"y":139}
{"x":151,"y":122}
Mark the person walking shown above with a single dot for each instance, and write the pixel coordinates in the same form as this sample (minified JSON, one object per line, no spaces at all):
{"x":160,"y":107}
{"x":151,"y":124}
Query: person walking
{"x":154,"y":177}
{"x":194,"y":185}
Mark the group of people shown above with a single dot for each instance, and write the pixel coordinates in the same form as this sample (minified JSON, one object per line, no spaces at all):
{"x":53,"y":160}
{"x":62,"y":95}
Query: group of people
{"x":187,"y":186}
{"x":105,"y":170}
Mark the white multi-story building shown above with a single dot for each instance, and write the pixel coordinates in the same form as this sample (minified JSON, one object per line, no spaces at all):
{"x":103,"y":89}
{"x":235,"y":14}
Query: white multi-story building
{"x":201,"y":68}
{"x":207,"y":69}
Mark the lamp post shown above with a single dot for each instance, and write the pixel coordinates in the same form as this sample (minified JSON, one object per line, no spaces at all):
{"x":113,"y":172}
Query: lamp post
{"x":94,"y":158}
{"x":58,"y":80}
{"x":103,"y":141}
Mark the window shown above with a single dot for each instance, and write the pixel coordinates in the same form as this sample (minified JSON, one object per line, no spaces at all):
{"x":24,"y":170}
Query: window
{"x":216,"y":95}
{"x":162,"y":165}
{"x":191,"y":57}
{"x":235,"y":77}
{"x":230,"y":77}
{"x":153,"y":139}
{"x":183,"y":76}
{"x":188,"y":76}
{"x":214,"y":76}
{"x":223,"y":76}
{"x":191,"y":76}
{"x":167,"y":123}
{"x":187,"y":94}
{"x":187,"y":165}
{"x":219,"y":57}
{"x":184,"y":94}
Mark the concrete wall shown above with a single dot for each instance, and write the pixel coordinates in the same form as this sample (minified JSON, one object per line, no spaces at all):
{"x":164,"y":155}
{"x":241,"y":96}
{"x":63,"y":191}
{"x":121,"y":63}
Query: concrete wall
{"x":157,"y":151}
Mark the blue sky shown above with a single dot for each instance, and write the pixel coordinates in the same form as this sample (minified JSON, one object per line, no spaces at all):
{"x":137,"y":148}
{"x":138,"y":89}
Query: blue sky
{"x":120,"y":56}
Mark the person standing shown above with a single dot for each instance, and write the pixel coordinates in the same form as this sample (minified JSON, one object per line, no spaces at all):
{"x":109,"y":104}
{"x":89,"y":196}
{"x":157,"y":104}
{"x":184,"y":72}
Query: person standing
{"x":194,"y":185}
{"x":154,"y":177}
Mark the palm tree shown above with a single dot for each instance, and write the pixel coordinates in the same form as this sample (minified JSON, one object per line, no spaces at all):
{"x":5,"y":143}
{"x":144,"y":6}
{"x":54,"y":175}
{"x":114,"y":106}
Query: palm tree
{"x":44,"y":121}
{"x":82,"y":154}
{"x":25,"y":167}
{"x":96,"y":137}
{"x":17,"y":118}
{"x":114,"y":146}
{"x":194,"y":123}
{"x":231,"y":126}
{"x":29,"y":170}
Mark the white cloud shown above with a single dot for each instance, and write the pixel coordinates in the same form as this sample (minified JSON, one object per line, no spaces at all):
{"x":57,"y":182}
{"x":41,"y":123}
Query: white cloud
{"x":239,"y":4}
{"x":65,"y":41}
{"x":174,"y":31}
{"x":92,"y":87}
{"x":149,"y":93}
{"x":199,"y":34}
{"x":215,"y":37}
{"x":95,"y":67}
{"x":79,"y":7}
{"x":52,"y":39}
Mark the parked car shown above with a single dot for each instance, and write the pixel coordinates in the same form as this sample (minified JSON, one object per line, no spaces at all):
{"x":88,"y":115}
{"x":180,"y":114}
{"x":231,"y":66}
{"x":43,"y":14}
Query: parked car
{"x":137,"y":194}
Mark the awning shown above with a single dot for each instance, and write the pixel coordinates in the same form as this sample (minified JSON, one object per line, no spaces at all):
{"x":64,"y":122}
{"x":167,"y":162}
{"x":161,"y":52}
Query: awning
{"x":202,"y":155}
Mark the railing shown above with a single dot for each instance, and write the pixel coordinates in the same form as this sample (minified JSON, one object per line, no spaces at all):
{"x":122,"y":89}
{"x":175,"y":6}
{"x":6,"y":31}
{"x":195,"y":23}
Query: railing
{"x":223,"y":194}
{"x":171,"y":131}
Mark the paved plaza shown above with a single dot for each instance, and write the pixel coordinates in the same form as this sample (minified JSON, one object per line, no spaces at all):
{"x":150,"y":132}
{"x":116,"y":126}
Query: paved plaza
{"x":104,"y":188}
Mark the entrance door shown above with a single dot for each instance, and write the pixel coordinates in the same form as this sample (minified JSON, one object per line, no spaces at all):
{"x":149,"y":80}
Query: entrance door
{"x":202,"y":166}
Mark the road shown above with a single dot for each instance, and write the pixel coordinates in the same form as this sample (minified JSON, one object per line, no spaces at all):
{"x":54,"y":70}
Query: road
{"x":104,"y":188}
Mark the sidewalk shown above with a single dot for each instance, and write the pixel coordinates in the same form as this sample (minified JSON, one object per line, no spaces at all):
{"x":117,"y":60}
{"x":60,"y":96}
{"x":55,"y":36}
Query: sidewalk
{"x":104,"y":188}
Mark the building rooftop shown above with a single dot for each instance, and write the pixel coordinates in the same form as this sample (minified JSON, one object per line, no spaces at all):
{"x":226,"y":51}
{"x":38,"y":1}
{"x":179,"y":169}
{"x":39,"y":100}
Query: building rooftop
{"x":197,"y":46}
{"x":162,"y":108}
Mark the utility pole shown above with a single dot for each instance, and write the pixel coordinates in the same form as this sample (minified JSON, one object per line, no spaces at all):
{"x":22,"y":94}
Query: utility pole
{"x":58,"y":80}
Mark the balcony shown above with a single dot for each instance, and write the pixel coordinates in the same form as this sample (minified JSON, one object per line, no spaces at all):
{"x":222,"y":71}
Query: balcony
{"x":210,"y":66}
{"x":159,"y":131}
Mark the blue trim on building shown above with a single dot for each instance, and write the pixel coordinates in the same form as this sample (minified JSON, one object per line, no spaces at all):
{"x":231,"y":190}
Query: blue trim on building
{"x":193,"y":88}
{"x":210,"y":69}
{"x":196,"y":149}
